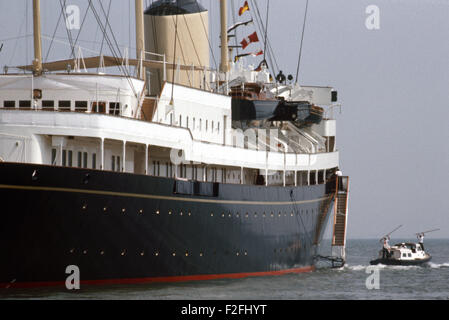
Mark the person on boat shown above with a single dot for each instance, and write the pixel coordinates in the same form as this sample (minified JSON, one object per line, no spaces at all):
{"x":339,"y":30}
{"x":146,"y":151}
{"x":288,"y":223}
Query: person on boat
{"x":420,"y":237}
{"x":386,"y":247}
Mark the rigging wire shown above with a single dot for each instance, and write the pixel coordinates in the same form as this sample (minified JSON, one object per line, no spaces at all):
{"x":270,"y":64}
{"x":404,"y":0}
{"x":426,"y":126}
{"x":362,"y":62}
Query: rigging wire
{"x":266,"y":31}
{"x":207,"y":36}
{"x":260,"y":25}
{"x":54,"y":34}
{"x":69,"y":34}
{"x":302,"y":37}
{"x":111,"y":47}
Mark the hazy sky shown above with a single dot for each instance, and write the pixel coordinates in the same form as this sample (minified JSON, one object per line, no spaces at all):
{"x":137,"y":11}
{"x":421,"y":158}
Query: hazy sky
{"x":393,"y":84}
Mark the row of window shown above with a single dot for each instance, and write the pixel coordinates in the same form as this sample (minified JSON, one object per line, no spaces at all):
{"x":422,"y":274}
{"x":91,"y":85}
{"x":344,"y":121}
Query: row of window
{"x":66,"y":105}
{"x":82,"y":159}
{"x":213,"y":126}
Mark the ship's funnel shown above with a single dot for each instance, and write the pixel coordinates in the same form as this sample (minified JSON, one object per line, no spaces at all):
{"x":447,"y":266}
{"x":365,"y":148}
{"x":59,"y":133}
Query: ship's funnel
{"x":191,"y":21}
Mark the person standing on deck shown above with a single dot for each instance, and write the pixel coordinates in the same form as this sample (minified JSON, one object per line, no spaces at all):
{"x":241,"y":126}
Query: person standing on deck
{"x":420,"y":237}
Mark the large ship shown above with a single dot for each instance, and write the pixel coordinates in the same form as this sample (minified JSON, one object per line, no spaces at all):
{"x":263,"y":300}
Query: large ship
{"x":175,"y":172}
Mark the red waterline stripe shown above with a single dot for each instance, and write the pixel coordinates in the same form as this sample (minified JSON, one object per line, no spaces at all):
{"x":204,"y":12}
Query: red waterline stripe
{"x":158,"y":279}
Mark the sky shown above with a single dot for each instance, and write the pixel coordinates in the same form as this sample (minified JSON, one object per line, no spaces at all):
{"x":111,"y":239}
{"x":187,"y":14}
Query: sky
{"x":392,"y":83}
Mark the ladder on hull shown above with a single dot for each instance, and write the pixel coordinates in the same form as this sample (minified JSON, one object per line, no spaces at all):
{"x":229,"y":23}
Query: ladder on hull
{"x":340,"y":218}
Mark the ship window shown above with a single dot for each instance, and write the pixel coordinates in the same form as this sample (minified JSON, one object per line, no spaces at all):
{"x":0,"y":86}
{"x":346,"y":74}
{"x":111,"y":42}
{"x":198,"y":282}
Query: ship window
{"x":404,"y":255}
{"x":113,"y":163}
{"x":114,"y":108}
{"x":200,"y":124}
{"x":206,"y":125}
{"x":212,"y":126}
{"x":180,"y":120}
{"x":218,"y":127}
{"x":48,"y":104}
{"x":99,"y":107}
{"x":70,"y":156}
{"x":193,"y":124}
{"x":64,"y":105}
{"x":53,"y":156}
{"x":79,"y":159}
{"x":24,"y":104}
{"x":64,"y":157}
{"x":187,"y":122}
{"x":84,"y":159}
{"x":81,"y":106}
{"x":94,"y":161}
{"x":9,"y":104}
{"x":118,"y":164}
{"x":409,"y":254}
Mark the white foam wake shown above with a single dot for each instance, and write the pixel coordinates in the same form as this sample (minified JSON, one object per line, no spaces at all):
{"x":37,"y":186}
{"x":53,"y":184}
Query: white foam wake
{"x":439,"y":265}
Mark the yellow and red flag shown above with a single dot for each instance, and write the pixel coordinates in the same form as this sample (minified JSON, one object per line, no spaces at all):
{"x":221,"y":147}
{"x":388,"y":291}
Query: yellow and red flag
{"x":244,"y":8}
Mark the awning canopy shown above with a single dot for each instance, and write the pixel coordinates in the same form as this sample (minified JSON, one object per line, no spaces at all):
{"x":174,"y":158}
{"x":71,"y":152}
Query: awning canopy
{"x":108,"y":61}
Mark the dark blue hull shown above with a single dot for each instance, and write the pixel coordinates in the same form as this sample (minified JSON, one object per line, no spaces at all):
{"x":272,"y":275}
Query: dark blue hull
{"x":119,"y":227}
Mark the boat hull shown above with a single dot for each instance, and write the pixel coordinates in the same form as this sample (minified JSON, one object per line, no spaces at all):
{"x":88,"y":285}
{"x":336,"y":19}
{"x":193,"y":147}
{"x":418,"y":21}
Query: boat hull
{"x":128,"y":228}
{"x":395,"y":262}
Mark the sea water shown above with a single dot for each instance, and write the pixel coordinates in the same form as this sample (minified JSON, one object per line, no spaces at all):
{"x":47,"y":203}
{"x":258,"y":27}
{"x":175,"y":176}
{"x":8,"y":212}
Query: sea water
{"x":349,"y":282}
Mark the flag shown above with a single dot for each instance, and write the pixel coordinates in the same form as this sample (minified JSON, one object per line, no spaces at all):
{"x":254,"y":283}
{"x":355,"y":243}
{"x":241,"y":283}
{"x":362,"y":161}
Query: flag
{"x":244,"y":8}
{"x":250,"y":39}
{"x":239,"y":24}
{"x":254,"y":54}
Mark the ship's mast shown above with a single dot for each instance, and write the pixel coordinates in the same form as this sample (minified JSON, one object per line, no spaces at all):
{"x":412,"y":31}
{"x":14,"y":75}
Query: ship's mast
{"x":140,"y":41}
{"x":37,"y":63}
{"x":224,"y":66}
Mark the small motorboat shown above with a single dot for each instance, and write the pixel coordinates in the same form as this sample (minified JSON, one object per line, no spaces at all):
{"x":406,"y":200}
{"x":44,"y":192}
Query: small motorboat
{"x":403,"y":254}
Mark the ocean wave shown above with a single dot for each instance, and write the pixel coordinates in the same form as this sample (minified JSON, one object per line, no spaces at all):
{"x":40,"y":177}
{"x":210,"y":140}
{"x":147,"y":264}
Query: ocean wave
{"x":438,"y":265}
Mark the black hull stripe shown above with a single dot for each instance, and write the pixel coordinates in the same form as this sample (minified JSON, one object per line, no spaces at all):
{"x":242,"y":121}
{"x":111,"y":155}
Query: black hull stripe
{"x":148,"y":196}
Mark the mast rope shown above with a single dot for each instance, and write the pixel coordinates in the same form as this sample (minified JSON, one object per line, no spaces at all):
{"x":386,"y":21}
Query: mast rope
{"x":302,"y":38}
